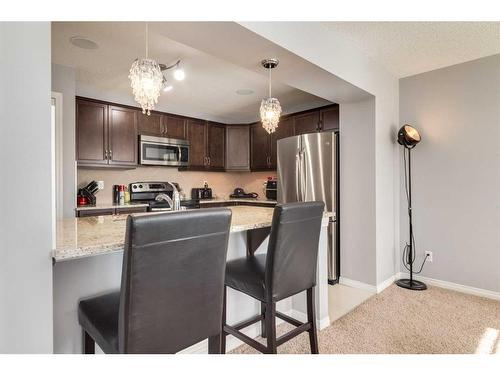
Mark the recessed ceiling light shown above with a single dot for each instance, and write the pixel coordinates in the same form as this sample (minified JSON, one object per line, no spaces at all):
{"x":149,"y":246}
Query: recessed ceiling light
{"x":244,"y":92}
{"x":179,"y":74}
{"x":82,"y":42}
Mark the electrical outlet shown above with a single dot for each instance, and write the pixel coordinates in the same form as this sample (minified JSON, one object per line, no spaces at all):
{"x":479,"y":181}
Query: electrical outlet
{"x":428,"y":254}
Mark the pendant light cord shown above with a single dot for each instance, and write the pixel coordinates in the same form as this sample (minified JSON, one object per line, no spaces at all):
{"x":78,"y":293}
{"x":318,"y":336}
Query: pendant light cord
{"x":270,"y":80}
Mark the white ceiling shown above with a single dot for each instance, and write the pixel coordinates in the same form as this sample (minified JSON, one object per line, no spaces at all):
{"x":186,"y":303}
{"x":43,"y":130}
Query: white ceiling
{"x":408,"y":48}
{"x":207,"y":92}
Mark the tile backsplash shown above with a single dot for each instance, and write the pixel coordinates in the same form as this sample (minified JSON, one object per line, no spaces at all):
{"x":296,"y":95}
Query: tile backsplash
{"x":222,"y":183}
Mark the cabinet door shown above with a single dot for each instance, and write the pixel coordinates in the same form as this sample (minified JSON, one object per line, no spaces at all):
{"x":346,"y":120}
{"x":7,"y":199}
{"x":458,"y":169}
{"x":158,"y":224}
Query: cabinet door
{"x":174,"y":127}
{"x":95,"y":212}
{"x":285,"y":129}
{"x":150,"y":125}
{"x":259,"y":147}
{"x":330,"y":118}
{"x":216,"y":145}
{"x":196,"y":135}
{"x":91,"y":132}
{"x":122,"y":136}
{"x":238,"y":147}
{"x":307,"y":123}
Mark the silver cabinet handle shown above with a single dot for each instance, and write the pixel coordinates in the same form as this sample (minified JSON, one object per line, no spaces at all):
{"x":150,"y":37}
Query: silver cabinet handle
{"x":106,"y":154}
{"x":165,"y":126}
{"x":110,"y":154}
{"x":208,"y":159}
{"x":204,"y":160}
{"x":161,"y":128}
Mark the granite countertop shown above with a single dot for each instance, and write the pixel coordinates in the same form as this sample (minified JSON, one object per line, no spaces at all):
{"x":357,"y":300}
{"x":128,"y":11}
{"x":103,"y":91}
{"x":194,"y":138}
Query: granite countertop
{"x":99,"y":206}
{"x":88,"y":236}
{"x":102,"y":206}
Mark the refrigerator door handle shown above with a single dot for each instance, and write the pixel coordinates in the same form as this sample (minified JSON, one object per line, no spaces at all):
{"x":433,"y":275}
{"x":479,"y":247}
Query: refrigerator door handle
{"x":298,"y":181}
{"x":303,"y":176}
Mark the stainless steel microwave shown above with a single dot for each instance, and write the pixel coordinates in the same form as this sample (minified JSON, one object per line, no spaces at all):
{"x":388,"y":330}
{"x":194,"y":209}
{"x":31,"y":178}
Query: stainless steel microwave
{"x":163,"y":151}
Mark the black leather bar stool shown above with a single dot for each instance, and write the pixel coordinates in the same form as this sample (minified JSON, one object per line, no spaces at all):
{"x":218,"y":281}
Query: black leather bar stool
{"x":288,"y":268}
{"x":172,"y":286}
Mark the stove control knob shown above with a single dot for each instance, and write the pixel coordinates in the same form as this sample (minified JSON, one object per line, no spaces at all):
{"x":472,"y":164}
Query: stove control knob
{"x":140,"y":186}
{"x":134,"y":186}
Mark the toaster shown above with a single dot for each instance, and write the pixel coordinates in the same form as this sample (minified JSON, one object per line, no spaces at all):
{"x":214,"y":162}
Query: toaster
{"x":201,"y":193}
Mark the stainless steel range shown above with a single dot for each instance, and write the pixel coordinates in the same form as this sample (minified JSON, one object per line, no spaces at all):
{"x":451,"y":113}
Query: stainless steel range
{"x":158,"y":195}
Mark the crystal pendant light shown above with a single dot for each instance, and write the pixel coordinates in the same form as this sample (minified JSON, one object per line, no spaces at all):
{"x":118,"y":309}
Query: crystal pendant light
{"x":270,"y":108}
{"x":146,"y":80}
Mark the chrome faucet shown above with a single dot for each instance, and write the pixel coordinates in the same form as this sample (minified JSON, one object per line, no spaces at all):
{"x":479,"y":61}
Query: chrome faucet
{"x":174,"y":204}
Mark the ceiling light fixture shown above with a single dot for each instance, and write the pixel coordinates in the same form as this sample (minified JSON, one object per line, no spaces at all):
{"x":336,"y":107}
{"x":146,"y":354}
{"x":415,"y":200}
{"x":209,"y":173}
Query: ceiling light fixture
{"x":168,"y":88}
{"x":146,"y":80}
{"x":244,"y":92}
{"x":82,"y":42}
{"x":270,"y":108}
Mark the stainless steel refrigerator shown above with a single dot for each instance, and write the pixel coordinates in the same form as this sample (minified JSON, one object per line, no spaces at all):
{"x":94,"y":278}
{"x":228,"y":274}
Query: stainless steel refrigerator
{"x":308,"y":168}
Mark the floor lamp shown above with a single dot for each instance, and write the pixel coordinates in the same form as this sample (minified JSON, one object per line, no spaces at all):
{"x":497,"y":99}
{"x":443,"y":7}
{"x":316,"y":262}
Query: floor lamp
{"x":408,"y":137}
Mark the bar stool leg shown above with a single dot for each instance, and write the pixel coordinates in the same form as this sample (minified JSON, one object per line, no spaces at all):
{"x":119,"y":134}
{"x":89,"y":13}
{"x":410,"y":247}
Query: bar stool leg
{"x":214,"y":344}
{"x":271,"y":327}
{"x":223,"y":334}
{"x":263,"y":319}
{"x":311,"y":318}
{"x":88,"y":343}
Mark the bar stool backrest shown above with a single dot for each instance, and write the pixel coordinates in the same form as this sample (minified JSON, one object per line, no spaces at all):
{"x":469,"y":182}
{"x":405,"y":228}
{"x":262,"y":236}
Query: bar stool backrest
{"x":293,"y":249}
{"x":172,"y":280}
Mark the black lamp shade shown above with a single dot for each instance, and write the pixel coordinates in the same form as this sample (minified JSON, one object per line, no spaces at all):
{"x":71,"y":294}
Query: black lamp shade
{"x":408,"y":136}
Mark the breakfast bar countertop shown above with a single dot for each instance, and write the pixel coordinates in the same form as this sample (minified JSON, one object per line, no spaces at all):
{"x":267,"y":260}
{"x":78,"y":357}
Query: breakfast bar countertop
{"x":88,"y":236}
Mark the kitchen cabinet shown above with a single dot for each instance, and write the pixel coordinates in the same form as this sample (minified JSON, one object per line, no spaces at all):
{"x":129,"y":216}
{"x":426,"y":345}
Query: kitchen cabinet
{"x":91,"y":133}
{"x":150,"y":125}
{"x":161,"y":125}
{"x":122,"y":136}
{"x":285,"y":129}
{"x":206,"y":145}
{"x":173,"y":126}
{"x":106,"y":135}
{"x":130,"y":210}
{"x":329,"y":118}
{"x":96,"y":212}
{"x":196,"y":135}
{"x":260,"y":142}
{"x":215,"y":146}
{"x":307,"y":123}
{"x":237,"y":148}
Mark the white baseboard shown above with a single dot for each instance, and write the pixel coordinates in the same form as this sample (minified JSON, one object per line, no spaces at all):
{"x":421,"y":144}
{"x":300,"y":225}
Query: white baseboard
{"x":357,"y":284}
{"x":299,"y":315}
{"x":453,"y":286}
{"x":386,"y":283}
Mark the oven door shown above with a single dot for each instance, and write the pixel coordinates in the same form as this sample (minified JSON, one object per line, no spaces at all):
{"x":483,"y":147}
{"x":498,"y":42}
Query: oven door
{"x":163,"y":151}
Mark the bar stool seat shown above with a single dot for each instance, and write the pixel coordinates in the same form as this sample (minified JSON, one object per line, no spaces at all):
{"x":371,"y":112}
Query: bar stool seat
{"x":99,"y":317}
{"x":247,"y":275}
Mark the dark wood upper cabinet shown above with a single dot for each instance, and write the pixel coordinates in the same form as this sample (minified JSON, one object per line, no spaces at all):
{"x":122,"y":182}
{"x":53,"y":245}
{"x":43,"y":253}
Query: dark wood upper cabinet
{"x":216,"y":145}
{"x":329,"y":118}
{"x":106,"y":135}
{"x":150,"y":125}
{"x":237,"y":148}
{"x":174,"y":127}
{"x":91,"y":133}
{"x":196,"y":135}
{"x":122,"y":136}
{"x":259,"y":148}
{"x":285,"y":129}
{"x":307,"y":123}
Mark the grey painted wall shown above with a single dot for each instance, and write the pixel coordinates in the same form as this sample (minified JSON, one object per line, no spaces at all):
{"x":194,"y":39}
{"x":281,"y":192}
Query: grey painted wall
{"x":25,"y":223}
{"x":357,"y":191}
{"x":456,"y":171}
{"x":63,"y":81}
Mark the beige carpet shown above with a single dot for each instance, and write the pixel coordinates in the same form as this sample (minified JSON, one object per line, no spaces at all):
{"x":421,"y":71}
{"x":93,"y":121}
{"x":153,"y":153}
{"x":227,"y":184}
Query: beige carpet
{"x":402,"y":321}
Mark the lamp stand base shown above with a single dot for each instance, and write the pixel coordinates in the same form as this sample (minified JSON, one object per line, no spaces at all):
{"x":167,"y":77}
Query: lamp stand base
{"x":411,"y":284}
